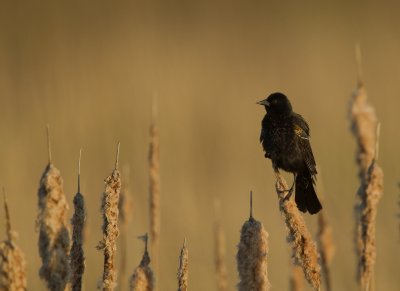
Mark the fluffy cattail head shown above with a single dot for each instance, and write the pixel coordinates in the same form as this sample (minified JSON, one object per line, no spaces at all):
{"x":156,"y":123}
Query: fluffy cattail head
{"x":110,"y":213}
{"x":12,"y":261}
{"x":54,"y":241}
{"x":183,"y":271}
{"x":142,"y":278}
{"x":77,"y":254}
{"x":252,"y":256}
{"x":303,"y":247}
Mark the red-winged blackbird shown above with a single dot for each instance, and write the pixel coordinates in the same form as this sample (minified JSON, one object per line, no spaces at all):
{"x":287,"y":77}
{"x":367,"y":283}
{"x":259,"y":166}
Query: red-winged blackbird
{"x":285,"y":138}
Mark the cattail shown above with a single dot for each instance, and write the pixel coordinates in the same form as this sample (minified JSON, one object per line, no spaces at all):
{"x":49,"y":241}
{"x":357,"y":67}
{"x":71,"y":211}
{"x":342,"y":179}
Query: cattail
{"x":12,"y":261}
{"x":296,"y":279}
{"x":109,"y":209}
{"x":183,"y":271}
{"x":326,"y":247}
{"x":142,"y":278}
{"x":325,"y":242}
{"x":363,"y":122}
{"x":373,"y":191}
{"x":252,"y":256}
{"x":154,"y":163}
{"x":78,"y":223}
{"x":54,"y":241}
{"x":363,"y":125}
{"x":219,"y":251}
{"x":304,"y":249}
{"x":125,"y":216}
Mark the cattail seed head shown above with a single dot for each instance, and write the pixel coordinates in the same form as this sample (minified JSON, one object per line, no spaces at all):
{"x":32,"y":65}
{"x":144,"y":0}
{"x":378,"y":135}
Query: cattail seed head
{"x":12,"y":261}
{"x":54,"y":241}
{"x":252,"y":257}
{"x":303,"y":247}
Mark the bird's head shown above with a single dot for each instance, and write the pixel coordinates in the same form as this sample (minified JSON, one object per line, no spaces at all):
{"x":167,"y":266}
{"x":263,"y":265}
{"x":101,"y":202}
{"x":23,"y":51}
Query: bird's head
{"x":277,"y":103}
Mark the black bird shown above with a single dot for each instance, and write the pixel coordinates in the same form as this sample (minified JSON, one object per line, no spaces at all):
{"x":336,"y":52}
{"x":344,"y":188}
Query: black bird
{"x":285,"y":137}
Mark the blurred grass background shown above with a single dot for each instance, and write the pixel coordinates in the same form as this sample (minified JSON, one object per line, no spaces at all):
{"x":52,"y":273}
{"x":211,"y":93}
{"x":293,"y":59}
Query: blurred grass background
{"x":91,"y":68}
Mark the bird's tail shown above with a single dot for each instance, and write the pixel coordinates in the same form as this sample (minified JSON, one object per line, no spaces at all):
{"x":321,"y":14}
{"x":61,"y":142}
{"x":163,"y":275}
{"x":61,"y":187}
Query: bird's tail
{"x":306,"y":198}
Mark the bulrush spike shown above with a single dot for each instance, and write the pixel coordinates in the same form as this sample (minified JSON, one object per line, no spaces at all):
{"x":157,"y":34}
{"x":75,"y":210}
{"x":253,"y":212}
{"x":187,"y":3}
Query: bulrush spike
{"x":359,"y":65}
{"x":48,"y":142}
{"x":117,"y":157}
{"x":142,"y":278}
{"x":251,"y":204}
{"x":79,"y":171}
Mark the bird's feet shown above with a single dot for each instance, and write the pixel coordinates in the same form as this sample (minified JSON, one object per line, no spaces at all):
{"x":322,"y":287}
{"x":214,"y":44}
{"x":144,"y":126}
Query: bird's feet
{"x":290,"y":191}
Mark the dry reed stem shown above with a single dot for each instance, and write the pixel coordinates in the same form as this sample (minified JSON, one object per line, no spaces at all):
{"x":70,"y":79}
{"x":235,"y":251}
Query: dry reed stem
{"x":219,"y":251}
{"x":373,"y":193}
{"x":54,"y":241}
{"x":154,"y":162}
{"x":109,"y":209}
{"x":12,"y":261}
{"x":125,"y":216}
{"x":142,"y":278}
{"x":252,"y":256}
{"x":304,"y":249}
{"x":183,"y":271}
{"x":296,"y":279}
{"x":78,"y":223}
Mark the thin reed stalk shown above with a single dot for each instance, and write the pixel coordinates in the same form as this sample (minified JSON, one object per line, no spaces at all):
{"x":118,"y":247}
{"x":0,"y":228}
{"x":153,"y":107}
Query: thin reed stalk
{"x":183,"y":271}
{"x":109,"y":209}
{"x":252,"y":256}
{"x":219,"y":251}
{"x":125,"y":216}
{"x":78,"y":223}
{"x":54,"y":241}
{"x":12,"y":261}
{"x":142,"y":278}
{"x":304,"y":248}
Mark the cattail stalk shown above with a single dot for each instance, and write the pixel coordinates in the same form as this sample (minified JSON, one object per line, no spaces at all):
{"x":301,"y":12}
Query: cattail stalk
{"x":78,"y":223}
{"x":109,"y":209}
{"x":304,"y":249}
{"x":142,"y":278}
{"x":154,"y":163}
{"x":183,"y":271}
{"x":54,"y":241}
{"x":219,"y":252}
{"x":12,"y":261}
{"x":125,"y":216}
{"x":363,"y":126}
{"x":296,"y":279}
{"x":252,"y":256}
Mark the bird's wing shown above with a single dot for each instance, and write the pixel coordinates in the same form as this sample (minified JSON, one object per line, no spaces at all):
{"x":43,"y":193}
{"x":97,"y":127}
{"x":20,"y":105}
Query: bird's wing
{"x":302,"y":132}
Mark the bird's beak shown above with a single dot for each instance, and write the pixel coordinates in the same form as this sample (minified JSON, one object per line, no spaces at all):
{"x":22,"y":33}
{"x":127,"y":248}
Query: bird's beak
{"x":263,"y":102}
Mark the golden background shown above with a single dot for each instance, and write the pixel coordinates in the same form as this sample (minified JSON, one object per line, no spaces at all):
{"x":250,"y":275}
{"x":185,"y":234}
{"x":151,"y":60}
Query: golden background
{"x":91,"y":68}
